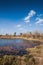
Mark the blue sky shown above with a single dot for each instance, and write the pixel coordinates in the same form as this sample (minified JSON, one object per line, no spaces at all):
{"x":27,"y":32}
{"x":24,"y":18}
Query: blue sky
{"x":21,"y":16}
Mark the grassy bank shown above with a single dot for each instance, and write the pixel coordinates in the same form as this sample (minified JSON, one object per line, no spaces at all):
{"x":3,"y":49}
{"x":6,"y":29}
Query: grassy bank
{"x":33,"y":57}
{"x":17,"y":37}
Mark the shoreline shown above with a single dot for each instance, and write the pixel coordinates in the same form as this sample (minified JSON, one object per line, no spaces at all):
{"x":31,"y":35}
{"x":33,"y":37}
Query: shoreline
{"x":41,"y":40}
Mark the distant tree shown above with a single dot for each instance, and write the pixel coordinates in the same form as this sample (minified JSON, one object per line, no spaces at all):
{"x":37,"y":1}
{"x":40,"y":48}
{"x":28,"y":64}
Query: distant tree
{"x":6,"y":34}
{"x":0,"y":35}
{"x":15,"y":34}
{"x":30,"y":34}
{"x":20,"y":34}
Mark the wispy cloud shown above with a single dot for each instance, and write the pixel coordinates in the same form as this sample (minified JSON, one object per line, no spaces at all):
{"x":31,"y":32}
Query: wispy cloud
{"x":30,"y":14}
{"x":39,"y":20}
{"x":30,"y":25}
{"x":18,"y":25}
{"x":40,"y":15}
{"x":21,"y":28}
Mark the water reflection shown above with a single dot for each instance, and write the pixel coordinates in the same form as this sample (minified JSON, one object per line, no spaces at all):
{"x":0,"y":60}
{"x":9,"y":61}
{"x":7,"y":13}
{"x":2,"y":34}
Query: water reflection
{"x":16,"y":46}
{"x":18,"y":43}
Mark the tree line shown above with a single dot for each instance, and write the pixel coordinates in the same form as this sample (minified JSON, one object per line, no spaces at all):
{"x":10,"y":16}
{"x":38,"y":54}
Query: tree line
{"x":33,"y":35}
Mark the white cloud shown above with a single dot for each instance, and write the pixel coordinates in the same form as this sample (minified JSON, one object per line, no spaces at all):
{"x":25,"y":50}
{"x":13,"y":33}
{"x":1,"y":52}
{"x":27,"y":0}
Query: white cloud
{"x":39,"y":20}
{"x":27,"y":21}
{"x":30,"y":14}
{"x":20,"y":28}
{"x":27,"y":18}
{"x":18,"y":25}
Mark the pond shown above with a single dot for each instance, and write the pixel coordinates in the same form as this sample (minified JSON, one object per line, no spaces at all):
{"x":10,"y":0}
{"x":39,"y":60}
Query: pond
{"x":18,"y":43}
{"x":16,"y":46}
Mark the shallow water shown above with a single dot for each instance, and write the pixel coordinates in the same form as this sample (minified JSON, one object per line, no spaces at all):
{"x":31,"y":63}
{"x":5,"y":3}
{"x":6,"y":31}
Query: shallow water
{"x":18,"y":43}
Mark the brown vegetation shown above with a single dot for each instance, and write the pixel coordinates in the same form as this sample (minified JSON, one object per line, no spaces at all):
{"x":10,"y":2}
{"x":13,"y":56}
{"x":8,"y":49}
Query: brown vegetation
{"x":33,"y":57}
{"x":35,"y":35}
